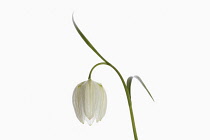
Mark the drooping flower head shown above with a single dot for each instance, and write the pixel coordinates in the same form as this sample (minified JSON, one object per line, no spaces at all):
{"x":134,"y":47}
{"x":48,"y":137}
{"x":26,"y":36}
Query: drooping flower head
{"x":89,"y":101}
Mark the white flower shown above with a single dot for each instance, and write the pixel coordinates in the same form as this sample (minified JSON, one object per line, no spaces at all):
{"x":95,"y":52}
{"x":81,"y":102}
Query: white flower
{"x":89,"y":101}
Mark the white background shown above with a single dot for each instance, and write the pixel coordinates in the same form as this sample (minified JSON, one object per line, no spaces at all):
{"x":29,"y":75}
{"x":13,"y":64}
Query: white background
{"x":42,"y":59}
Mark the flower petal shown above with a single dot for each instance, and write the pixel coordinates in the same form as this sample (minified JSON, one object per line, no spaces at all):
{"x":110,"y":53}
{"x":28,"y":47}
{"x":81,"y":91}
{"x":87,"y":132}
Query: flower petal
{"x":102,"y":105}
{"x":90,"y":122}
{"x":78,"y":103}
{"x":89,"y":99}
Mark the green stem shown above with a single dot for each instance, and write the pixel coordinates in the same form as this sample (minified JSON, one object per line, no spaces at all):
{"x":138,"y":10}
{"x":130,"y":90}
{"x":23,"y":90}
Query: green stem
{"x":102,"y":63}
{"x":127,"y":95}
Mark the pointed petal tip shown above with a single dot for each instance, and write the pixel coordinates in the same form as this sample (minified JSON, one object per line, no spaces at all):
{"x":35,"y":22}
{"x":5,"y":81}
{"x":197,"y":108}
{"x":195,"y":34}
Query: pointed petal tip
{"x":90,"y":122}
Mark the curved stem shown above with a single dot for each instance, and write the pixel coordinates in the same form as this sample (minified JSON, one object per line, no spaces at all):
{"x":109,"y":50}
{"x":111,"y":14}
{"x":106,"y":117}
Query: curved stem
{"x":127,"y":95}
{"x":102,"y":63}
{"x":129,"y":102}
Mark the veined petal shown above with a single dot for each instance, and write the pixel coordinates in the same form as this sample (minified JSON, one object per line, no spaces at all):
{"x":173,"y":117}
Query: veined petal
{"x":102,"y":104}
{"x":78,"y":103}
{"x":90,"y":99}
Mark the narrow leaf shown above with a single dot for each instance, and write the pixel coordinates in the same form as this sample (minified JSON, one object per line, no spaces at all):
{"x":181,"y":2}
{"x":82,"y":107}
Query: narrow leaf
{"x":86,"y":40}
{"x":140,"y":80}
{"x":129,"y":81}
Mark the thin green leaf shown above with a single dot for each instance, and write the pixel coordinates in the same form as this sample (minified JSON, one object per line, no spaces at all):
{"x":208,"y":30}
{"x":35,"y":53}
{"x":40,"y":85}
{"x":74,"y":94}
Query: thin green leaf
{"x":129,"y":81}
{"x":86,"y":40}
{"x":140,"y":80}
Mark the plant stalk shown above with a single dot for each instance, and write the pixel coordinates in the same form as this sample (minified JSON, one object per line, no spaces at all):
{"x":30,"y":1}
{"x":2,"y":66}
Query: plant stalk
{"x":127,"y":95}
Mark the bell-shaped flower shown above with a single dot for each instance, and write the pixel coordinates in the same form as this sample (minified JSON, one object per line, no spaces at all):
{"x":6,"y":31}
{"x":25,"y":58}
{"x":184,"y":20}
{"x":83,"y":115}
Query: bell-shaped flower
{"x":89,"y":101}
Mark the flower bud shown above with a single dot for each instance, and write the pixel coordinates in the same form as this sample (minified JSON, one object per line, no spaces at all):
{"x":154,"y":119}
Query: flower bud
{"x":89,"y":101}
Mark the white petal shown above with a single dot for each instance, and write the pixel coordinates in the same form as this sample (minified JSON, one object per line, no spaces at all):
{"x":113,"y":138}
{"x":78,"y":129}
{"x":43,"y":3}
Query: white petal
{"x":90,"y":99}
{"x":101,"y":108}
{"x":90,"y":122}
{"x":78,"y":103}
